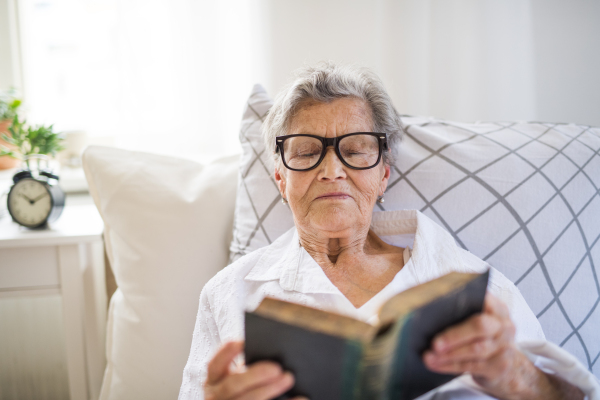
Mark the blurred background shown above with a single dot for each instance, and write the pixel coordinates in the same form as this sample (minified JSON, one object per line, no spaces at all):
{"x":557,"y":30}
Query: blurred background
{"x":172,"y":76}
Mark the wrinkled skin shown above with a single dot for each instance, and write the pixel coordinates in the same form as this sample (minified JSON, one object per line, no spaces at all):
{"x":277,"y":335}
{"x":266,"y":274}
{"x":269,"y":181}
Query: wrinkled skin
{"x":260,"y":381}
{"x":484,"y":346}
{"x":332,"y":206}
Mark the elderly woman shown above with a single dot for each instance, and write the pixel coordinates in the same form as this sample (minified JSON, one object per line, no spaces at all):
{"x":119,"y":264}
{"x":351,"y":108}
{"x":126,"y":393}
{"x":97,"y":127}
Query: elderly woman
{"x":334,"y":133}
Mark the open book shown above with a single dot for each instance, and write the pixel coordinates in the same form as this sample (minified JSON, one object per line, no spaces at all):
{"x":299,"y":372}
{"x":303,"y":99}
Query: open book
{"x":337,"y":357}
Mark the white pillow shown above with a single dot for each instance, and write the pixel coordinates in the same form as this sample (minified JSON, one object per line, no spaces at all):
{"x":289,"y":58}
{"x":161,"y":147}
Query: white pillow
{"x":523,"y":196}
{"x":167,"y":230}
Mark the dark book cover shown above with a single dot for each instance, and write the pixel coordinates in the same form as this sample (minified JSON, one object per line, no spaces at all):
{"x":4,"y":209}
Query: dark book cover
{"x":409,"y":377}
{"x":389,"y":365}
{"x":324,"y":366}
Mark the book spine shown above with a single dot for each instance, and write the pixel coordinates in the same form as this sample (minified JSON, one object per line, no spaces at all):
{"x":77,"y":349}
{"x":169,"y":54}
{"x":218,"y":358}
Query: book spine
{"x":378,"y":361}
{"x":352,"y":369}
{"x":397,"y":370}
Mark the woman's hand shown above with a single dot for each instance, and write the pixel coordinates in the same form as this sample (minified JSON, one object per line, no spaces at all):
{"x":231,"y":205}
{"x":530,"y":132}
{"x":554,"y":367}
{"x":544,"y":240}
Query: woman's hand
{"x":484,"y":346}
{"x":261,"y":381}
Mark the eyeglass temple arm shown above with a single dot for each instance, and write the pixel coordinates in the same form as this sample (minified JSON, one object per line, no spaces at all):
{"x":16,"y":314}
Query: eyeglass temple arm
{"x":384,"y":138}
{"x":385,"y":143}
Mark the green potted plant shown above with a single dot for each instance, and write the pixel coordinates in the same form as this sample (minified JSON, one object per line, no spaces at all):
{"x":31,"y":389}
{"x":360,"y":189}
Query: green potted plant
{"x":25,"y":141}
{"x":9,"y":106}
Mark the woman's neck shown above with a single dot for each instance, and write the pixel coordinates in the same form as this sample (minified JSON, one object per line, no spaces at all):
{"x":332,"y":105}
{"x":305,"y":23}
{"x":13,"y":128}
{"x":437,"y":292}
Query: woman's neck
{"x":327,"y":248}
{"x":359,"y":268}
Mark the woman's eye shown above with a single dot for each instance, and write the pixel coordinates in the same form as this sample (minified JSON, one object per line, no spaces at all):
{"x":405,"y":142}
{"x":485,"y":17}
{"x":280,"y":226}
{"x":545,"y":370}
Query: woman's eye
{"x":353,"y":152}
{"x":307,"y":154}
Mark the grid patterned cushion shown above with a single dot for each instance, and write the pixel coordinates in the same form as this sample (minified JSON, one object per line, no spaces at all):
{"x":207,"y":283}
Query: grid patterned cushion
{"x":260,"y":217}
{"x":523,"y":196}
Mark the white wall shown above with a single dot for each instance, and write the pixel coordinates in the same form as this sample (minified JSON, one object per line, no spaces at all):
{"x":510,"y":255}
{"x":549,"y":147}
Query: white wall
{"x":567,"y":60}
{"x":456,"y":59}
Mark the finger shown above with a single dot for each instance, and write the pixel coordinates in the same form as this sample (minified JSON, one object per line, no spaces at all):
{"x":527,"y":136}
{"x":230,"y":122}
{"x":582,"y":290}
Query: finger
{"x":460,"y":367}
{"x":258,"y":374}
{"x":218,"y":367}
{"x":494,"y":368}
{"x":508,"y":332}
{"x":493,"y":305}
{"x":477,"y":367}
{"x":477,"y":327}
{"x":271,"y":390}
{"x":479,"y":349}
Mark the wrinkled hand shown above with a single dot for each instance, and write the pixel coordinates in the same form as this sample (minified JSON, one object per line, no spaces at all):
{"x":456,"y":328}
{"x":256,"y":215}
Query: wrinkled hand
{"x":261,"y":381}
{"x":484,"y":346}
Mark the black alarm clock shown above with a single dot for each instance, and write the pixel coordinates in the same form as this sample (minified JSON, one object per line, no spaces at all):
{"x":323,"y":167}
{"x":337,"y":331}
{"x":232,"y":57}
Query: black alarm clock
{"x":35,"y":201}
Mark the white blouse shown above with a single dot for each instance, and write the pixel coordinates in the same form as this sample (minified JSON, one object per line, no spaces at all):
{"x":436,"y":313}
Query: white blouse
{"x":285,"y":270}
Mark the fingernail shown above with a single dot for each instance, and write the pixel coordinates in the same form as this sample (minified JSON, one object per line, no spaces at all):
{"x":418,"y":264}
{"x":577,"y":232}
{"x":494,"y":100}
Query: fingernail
{"x":440,"y":344}
{"x":429,"y":358}
{"x":273,"y":369}
{"x":288,"y":376}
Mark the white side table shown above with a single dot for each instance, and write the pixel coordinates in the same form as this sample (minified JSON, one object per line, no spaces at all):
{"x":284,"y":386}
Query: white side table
{"x":67,"y":259}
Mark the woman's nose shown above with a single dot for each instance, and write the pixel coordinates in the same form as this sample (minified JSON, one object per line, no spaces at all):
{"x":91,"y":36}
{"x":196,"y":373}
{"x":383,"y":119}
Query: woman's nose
{"x":331,"y":167}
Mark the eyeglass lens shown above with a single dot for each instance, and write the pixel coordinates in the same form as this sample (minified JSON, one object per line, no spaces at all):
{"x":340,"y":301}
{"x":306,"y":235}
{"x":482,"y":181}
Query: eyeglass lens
{"x":304,"y":152}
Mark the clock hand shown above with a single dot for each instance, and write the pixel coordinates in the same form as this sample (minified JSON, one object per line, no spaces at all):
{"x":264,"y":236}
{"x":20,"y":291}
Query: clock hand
{"x":39,"y":197}
{"x":27,"y":198}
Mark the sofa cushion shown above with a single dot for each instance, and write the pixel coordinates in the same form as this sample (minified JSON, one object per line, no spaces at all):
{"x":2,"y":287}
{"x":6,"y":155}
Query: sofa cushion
{"x":167,"y":231}
{"x":522,"y":196}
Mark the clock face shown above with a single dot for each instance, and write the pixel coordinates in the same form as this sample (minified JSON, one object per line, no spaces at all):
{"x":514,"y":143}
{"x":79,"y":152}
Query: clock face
{"x":29,"y":202}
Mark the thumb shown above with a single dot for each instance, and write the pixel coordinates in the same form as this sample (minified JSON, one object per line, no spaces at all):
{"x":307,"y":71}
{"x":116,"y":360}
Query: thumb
{"x":218,"y":367}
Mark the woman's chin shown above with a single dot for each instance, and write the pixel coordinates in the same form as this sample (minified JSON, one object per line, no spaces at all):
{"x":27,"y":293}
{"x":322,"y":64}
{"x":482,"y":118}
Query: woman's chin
{"x":335,"y":219}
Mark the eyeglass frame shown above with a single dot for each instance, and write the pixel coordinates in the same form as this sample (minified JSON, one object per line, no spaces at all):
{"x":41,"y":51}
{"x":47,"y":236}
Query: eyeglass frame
{"x":334,"y":141}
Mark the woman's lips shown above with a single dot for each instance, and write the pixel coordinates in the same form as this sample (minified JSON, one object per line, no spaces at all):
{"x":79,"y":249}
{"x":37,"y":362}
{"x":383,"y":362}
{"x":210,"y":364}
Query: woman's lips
{"x":334,"y":196}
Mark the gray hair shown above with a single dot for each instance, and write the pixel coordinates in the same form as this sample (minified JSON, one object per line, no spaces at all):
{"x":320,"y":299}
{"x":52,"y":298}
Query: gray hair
{"x":324,"y":83}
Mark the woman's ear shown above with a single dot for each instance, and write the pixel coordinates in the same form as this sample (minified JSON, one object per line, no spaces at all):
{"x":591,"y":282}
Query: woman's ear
{"x":280,"y":180}
{"x":384,"y":179}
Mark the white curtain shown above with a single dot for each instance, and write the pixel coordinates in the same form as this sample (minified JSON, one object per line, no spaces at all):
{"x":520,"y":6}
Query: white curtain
{"x":152,"y":75}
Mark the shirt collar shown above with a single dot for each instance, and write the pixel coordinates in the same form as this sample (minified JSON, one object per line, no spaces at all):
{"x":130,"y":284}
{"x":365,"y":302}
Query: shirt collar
{"x":434,"y":253}
{"x":285,"y":260}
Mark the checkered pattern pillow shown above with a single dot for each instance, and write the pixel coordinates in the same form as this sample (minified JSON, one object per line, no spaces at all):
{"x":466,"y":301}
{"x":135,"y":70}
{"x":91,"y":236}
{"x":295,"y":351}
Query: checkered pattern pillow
{"x":260,"y":217}
{"x":523,"y":196}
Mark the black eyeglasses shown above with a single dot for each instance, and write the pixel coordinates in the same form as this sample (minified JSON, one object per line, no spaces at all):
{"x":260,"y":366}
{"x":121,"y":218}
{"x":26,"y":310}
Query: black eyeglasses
{"x":359,"y":150}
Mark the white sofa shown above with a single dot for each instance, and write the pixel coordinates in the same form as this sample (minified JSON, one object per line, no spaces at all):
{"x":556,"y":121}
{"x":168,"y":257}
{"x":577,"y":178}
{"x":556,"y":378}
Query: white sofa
{"x":524,"y":196}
